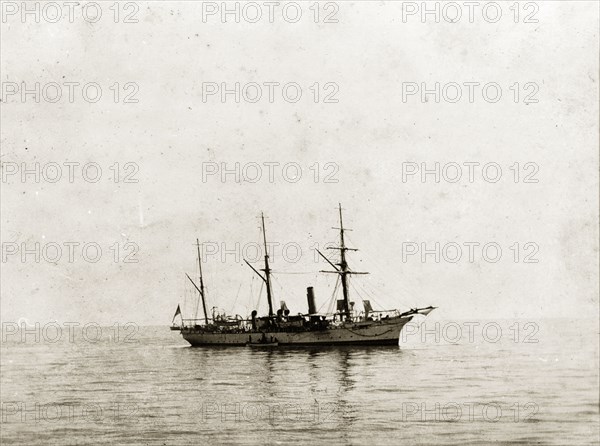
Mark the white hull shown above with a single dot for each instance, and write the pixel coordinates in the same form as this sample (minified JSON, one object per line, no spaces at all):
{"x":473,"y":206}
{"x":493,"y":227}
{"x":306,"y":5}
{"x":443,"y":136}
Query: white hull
{"x":383,"y":332}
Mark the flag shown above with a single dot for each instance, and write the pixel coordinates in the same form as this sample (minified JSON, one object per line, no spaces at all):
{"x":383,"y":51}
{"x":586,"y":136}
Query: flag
{"x":177,"y":312}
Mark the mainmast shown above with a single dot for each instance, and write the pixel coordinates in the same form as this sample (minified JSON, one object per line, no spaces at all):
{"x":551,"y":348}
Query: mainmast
{"x":342,"y":267}
{"x":267,"y":277}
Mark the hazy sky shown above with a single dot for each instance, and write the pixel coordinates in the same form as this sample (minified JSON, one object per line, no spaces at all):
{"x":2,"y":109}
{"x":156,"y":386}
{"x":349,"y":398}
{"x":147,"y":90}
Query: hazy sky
{"x":370,"y":56}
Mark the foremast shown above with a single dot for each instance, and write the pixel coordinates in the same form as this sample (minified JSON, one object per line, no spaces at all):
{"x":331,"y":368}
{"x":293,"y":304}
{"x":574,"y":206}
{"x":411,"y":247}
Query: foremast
{"x":341,"y":268}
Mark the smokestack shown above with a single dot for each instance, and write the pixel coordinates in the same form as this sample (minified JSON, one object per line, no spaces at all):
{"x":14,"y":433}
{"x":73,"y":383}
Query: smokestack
{"x":310,"y":296}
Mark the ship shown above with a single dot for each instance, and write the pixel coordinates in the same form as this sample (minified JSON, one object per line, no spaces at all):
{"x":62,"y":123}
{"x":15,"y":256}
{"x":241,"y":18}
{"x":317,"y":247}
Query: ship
{"x":280,"y":328}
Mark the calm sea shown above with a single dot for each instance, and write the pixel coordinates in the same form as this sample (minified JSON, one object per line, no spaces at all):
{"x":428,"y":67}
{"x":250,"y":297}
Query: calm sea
{"x":509,"y":382}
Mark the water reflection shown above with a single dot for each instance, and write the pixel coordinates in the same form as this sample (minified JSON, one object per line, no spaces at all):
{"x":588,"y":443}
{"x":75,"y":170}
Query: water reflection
{"x":322,"y":381}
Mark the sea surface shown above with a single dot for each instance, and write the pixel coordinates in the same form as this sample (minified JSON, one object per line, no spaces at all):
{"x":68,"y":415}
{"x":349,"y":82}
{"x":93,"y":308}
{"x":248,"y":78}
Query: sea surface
{"x":449,"y":382}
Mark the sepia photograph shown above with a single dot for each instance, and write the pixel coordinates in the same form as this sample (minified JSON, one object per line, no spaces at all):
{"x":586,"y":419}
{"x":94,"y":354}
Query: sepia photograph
{"x":349,"y":222}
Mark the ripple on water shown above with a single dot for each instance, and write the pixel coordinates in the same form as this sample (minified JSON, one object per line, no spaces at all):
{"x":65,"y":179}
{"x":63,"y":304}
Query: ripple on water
{"x":161,"y":392}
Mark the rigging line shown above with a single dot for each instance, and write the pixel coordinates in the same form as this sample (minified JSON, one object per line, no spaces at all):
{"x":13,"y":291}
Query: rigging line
{"x":400,"y":280}
{"x":185,"y":297}
{"x":286,"y":293}
{"x":327,"y":301}
{"x":236,"y":298}
{"x":375,"y":301}
{"x":331,"y":298}
{"x":355,"y":290}
{"x":403,"y":292}
{"x":252,"y":282}
{"x":191,"y":298}
{"x":364,"y":289}
{"x":246,"y":304}
{"x":371,"y":290}
{"x":280,"y":290}
{"x":378,"y":304}
{"x":332,"y":301}
{"x":402,"y":303}
{"x":380,"y":266}
{"x":276,"y":281}
{"x":368,"y":295}
{"x":262,"y":284}
{"x":281,"y":272}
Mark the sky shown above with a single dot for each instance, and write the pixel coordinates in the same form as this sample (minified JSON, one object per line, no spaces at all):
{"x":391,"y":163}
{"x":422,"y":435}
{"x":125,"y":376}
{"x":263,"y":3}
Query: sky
{"x":162,"y":144}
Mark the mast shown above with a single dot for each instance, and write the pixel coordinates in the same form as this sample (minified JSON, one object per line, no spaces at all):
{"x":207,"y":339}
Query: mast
{"x":342,"y":267}
{"x":267,"y":270}
{"x":201,"y":284}
{"x":267,"y":277}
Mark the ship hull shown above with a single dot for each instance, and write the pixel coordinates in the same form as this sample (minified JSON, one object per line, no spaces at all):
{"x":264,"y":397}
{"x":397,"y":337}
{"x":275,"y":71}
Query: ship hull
{"x":384,"y":332}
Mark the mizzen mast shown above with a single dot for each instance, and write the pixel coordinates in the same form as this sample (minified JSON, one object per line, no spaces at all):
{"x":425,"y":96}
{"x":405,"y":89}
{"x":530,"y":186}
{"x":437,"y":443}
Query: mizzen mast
{"x":201,"y":289}
{"x":201,"y":282}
